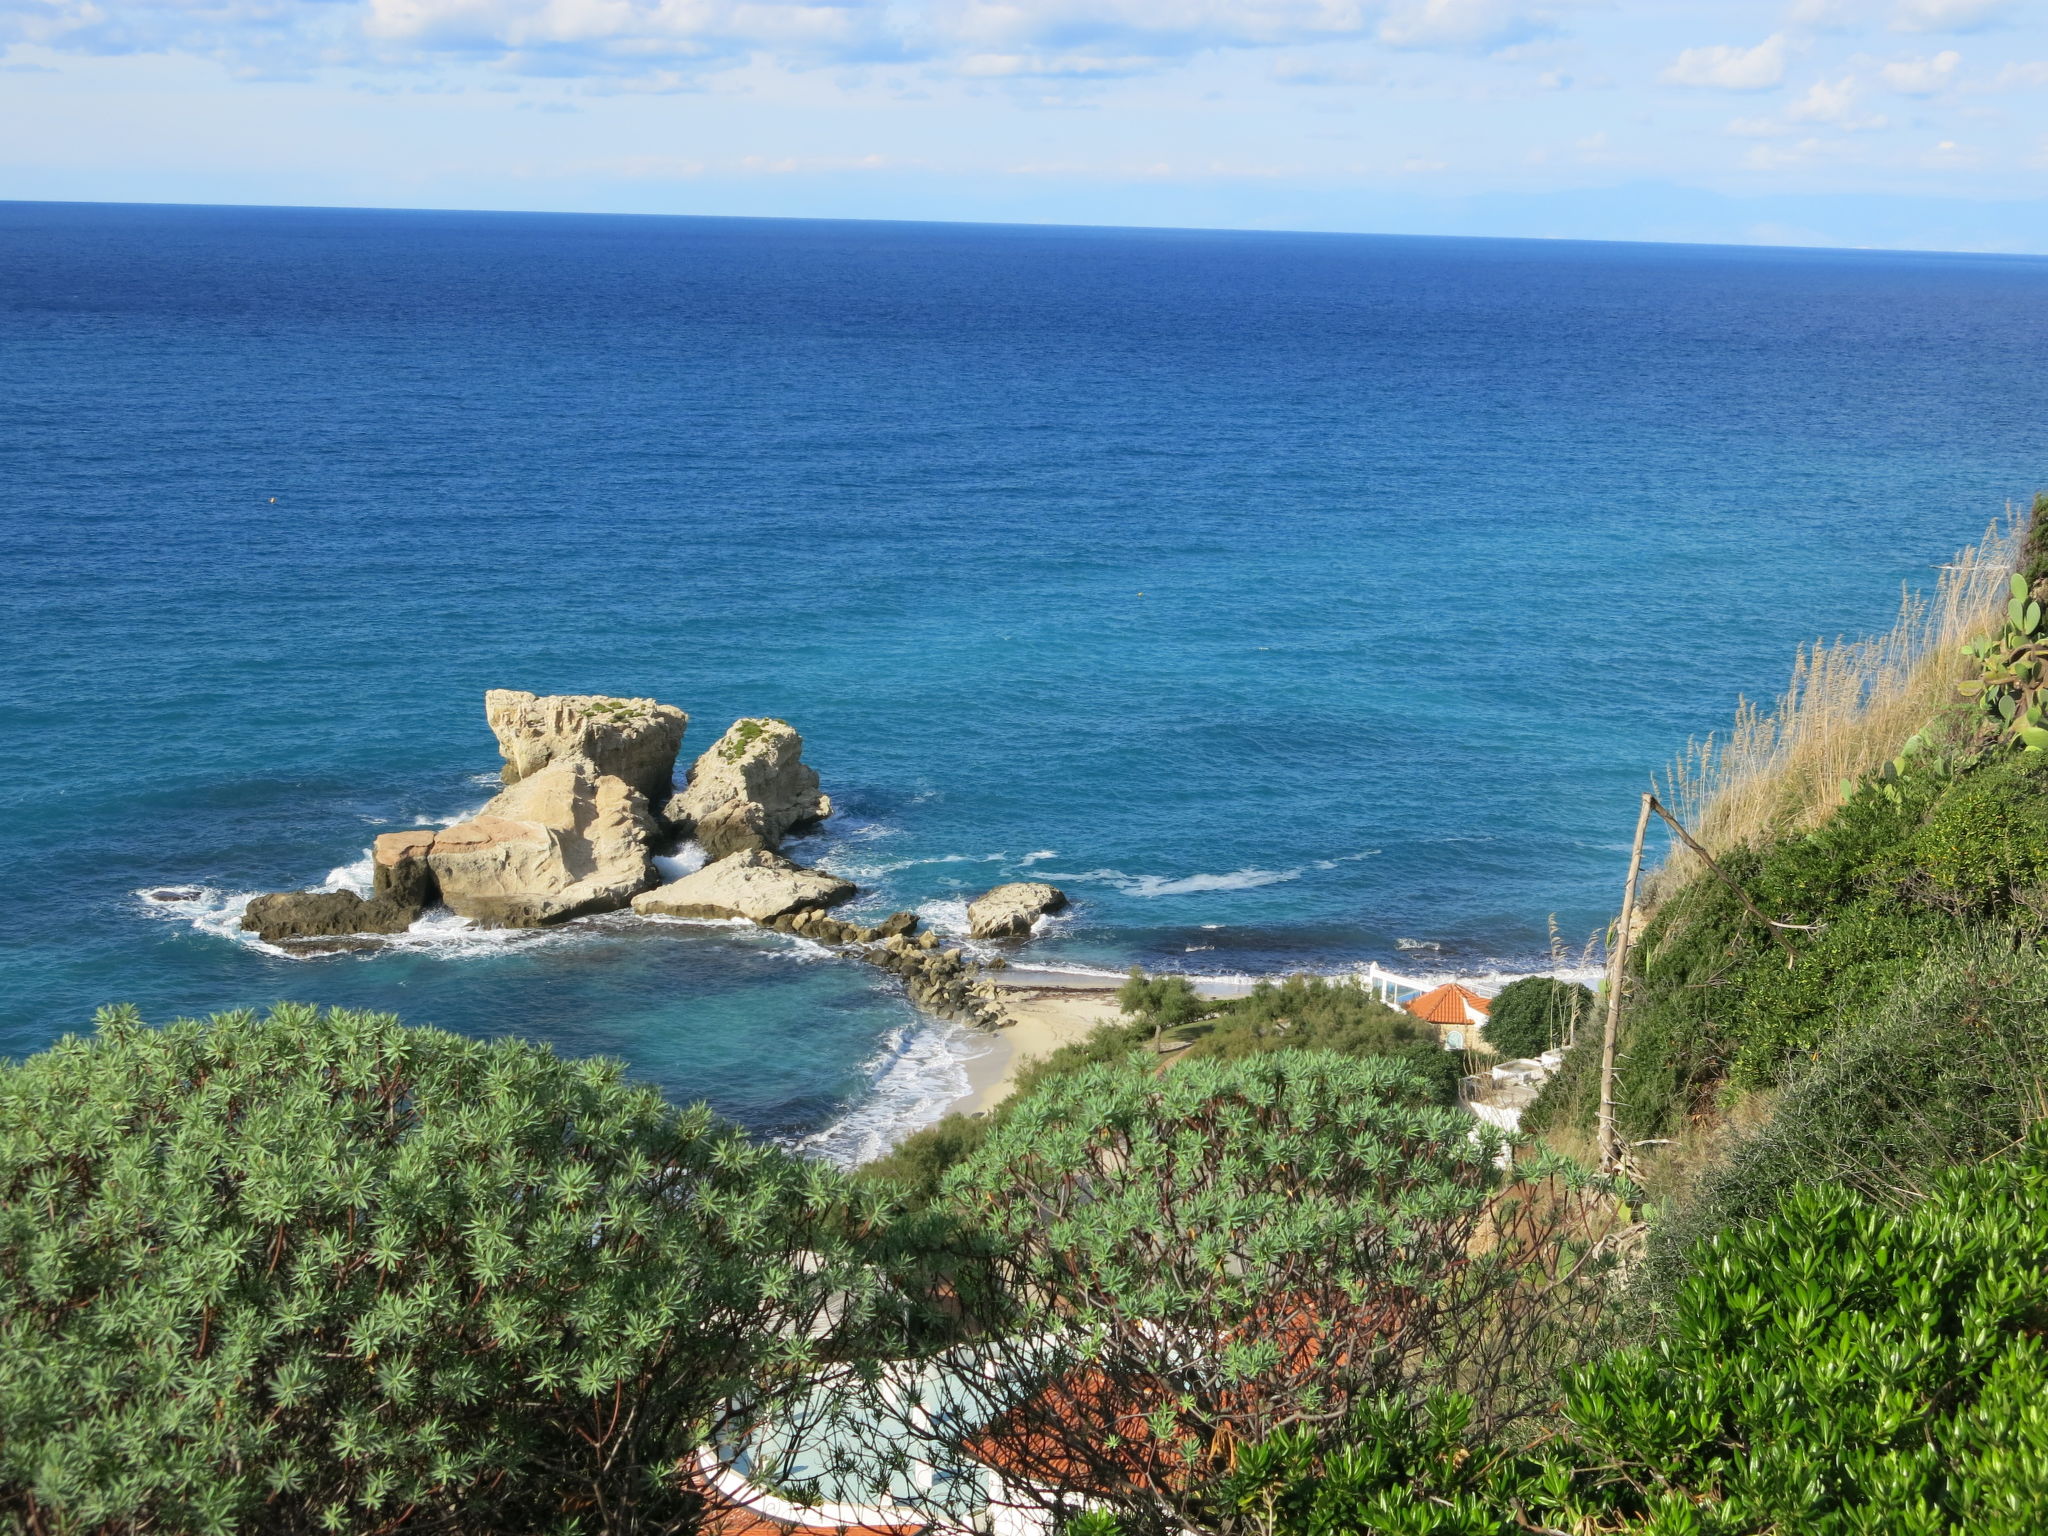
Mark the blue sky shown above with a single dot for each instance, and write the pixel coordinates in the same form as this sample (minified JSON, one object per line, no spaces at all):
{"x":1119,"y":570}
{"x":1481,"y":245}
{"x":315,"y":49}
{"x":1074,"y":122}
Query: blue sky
{"x":1915,"y":123}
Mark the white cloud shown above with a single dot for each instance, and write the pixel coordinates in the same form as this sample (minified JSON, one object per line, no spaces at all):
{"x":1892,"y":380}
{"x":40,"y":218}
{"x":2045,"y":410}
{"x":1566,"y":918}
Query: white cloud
{"x":1725,"y":68}
{"x":2019,"y":77}
{"x":1832,"y":102}
{"x":1949,"y":15}
{"x":1481,"y":25}
{"x":1922,"y":77}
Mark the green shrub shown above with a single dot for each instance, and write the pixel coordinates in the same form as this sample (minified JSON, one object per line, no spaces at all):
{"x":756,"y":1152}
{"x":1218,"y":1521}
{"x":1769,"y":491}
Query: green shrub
{"x":1536,"y":1014}
{"x":1951,"y":1067}
{"x":322,"y":1272}
{"x":1301,"y":1013}
{"x":1835,"y":1369}
{"x":1984,"y":848}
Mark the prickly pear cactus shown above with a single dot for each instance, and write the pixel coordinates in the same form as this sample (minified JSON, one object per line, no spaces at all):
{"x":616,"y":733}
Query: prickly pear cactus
{"x":2012,"y":665}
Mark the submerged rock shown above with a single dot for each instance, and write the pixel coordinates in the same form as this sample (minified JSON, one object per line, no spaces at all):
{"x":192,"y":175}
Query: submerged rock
{"x":564,"y":842}
{"x":289,"y":915}
{"x":631,"y":739}
{"x":753,"y":883}
{"x":1008,"y":911}
{"x":749,"y":791}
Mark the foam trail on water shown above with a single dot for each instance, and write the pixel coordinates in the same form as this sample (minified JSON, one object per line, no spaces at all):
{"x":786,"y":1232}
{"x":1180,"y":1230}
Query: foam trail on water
{"x":919,"y":1071}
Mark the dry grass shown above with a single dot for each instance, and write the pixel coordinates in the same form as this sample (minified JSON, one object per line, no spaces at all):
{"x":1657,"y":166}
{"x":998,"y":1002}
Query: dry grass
{"x":1850,"y":707}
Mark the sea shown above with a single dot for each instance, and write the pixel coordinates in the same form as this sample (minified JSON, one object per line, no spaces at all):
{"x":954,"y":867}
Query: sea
{"x":1293,"y":601}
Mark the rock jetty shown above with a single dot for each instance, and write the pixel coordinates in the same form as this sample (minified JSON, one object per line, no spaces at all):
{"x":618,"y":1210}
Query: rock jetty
{"x":751,"y":790}
{"x":1008,"y":911}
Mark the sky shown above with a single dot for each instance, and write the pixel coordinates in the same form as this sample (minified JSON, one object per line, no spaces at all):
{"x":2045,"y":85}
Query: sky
{"x":1898,"y":123}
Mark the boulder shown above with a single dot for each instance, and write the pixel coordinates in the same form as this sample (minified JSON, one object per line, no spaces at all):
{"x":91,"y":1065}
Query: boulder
{"x":896,"y":925}
{"x":750,"y":790}
{"x":563,"y":842}
{"x":753,"y":883}
{"x":631,"y":739}
{"x":1008,"y":911}
{"x":324,"y":914}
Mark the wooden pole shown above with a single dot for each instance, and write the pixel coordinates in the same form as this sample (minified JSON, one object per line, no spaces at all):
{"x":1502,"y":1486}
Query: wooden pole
{"x":1610,"y":1147}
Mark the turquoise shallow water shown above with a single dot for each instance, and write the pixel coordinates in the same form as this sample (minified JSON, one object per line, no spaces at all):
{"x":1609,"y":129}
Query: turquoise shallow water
{"x":1282,"y":597}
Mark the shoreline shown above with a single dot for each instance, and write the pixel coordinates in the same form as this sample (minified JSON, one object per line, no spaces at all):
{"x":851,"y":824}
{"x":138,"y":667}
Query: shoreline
{"x":1046,"y":1018}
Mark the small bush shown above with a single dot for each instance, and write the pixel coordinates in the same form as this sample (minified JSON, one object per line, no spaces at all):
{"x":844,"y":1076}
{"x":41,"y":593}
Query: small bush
{"x":1536,"y":1014}
{"x":322,"y":1272}
{"x":1984,"y":848}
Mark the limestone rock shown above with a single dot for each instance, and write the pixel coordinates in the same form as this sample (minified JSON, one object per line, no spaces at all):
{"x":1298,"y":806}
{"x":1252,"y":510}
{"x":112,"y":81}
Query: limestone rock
{"x":563,"y":842}
{"x":750,"y":790}
{"x":1008,"y":911}
{"x":324,"y":914}
{"x":631,"y":739}
{"x":753,"y":883}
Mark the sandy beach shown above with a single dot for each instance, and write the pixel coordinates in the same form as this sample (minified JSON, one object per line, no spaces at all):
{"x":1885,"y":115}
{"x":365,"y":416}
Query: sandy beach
{"x":1047,"y":1018}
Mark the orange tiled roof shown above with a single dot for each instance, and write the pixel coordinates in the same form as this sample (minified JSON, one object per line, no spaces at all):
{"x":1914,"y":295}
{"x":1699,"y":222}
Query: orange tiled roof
{"x":1447,"y":1004}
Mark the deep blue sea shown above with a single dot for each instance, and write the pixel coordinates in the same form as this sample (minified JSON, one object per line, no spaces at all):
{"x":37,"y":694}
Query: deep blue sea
{"x":1282,"y":597}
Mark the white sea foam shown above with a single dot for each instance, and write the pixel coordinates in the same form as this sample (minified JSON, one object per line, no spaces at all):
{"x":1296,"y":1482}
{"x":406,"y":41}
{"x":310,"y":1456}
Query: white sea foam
{"x":947,"y":915}
{"x":358,"y":876}
{"x":837,"y":865}
{"x":686,"y":860}
{"x":1043,"y":853}
{"x":1180,"y":885}
{"x":920,"y":1070}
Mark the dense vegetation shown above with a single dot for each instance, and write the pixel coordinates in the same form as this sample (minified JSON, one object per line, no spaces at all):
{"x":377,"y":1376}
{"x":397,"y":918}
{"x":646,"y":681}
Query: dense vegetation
{"x":322,"y":1272}
{"x":1242,"y":1247}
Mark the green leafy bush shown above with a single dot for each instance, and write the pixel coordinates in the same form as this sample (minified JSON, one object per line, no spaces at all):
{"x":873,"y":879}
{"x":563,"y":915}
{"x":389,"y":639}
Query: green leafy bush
{"x":322,"y":1272}
{"x":1836,"y":1368}
{"x":1535,"y":1014}
{"x":1984,"y":848}
{"x":1299,"y":1014}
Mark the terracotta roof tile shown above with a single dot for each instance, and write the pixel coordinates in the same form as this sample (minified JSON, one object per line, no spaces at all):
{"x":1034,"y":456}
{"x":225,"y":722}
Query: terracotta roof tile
{"x":1447,"y":1004}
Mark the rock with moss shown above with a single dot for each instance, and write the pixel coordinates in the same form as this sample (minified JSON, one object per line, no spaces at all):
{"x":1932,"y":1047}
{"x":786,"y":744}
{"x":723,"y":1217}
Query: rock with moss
{"x":751,"y":790}
{"x":631,"y":739}
{"x":1008,"y":911}
{"x":754,"y":883}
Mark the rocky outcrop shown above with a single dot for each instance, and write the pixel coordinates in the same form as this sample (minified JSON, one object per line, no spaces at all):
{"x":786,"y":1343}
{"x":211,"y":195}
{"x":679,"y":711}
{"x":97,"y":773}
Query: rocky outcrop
{"x":753,"y":883}
{"x":288,"y":915}
{"x":749,"y":791}
{"x":1008,"y":911}
{"x":563,"y":842}
{"x":631,"y":739}
{"x":941,"y":981}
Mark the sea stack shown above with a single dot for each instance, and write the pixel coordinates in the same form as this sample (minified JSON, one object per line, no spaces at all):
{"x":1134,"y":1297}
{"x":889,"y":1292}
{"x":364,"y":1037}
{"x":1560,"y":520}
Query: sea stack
{"x":632,"y":739}
{"x":749,"y":791}
{"x":565,"y":841}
